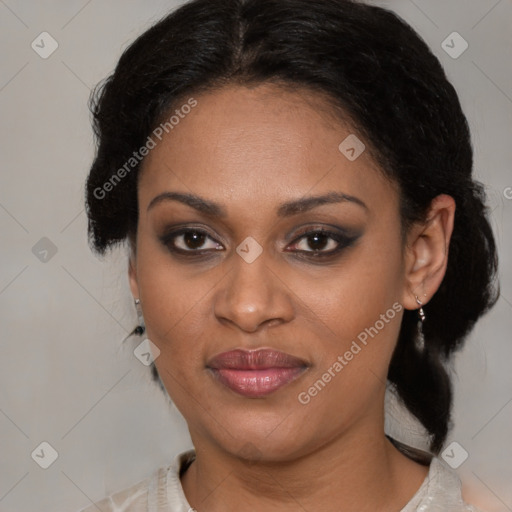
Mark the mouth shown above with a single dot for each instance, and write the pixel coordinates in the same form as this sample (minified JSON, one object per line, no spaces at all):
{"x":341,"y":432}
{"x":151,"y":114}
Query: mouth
{"x":256,"y":373}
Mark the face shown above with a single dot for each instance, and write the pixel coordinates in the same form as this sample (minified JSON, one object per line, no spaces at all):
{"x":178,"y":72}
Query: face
{"x":256,"y":232}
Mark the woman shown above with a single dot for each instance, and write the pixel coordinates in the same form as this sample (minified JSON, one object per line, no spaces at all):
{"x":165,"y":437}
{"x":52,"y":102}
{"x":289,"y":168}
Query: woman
{"x":294,"y":183}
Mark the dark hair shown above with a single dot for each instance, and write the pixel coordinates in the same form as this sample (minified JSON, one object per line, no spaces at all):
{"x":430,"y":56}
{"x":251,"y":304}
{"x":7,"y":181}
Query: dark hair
{"x":372,"y":66}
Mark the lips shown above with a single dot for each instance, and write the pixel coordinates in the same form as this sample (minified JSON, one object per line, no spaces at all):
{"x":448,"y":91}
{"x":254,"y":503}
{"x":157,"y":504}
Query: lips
{"x":256,"y":373}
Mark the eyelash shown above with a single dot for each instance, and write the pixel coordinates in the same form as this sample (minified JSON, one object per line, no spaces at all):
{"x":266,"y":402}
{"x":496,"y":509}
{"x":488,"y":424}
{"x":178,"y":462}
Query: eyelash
{"x":343,"y":240}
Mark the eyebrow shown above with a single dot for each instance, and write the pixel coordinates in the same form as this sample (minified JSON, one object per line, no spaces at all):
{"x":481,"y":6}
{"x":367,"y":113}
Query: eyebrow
{"x":213,"y":209}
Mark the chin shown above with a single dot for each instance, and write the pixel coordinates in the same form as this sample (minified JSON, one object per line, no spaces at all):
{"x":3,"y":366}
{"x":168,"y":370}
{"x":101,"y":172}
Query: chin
{"x":267,"y":437}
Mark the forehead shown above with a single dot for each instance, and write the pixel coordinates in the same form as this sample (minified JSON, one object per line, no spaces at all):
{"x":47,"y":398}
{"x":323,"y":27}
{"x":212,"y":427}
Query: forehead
{"x":259,"y":145}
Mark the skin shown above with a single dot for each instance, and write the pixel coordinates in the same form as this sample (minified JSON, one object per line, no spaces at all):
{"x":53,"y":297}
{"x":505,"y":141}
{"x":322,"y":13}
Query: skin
{"x":250,"y":150}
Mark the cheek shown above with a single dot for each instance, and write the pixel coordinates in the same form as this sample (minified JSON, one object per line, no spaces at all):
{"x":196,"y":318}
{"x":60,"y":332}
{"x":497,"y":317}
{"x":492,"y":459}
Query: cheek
{"x":358,"y":317}
{"x":174,"y":303}
{"x":352,"y":296}
{"x":165,"y":292}
{"x":175,"y":323}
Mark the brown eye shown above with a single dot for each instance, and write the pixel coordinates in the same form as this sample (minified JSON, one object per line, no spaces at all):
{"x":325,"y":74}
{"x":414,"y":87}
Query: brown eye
{"x":190,"y":240}
{"x":193,"y":240}
{"x":319,"y":243}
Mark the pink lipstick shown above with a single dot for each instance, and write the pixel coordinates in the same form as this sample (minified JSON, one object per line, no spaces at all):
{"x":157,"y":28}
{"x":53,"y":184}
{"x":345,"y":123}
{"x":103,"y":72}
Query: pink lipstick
{"x":256,"y":373}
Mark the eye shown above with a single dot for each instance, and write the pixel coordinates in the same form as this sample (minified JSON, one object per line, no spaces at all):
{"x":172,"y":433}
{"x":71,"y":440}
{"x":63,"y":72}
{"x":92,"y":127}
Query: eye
{"x":321,"y":242}
{"x":191,"y":240}
{"x":312,"y":243}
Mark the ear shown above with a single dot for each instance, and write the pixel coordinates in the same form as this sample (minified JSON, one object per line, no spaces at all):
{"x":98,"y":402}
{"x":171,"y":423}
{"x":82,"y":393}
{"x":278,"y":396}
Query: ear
{"x":426,"y":252}
{"x":132,"y":273}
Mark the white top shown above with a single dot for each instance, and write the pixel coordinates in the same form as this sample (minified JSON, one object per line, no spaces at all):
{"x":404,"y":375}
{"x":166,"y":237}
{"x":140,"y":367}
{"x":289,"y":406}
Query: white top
{"x":162,"y":492}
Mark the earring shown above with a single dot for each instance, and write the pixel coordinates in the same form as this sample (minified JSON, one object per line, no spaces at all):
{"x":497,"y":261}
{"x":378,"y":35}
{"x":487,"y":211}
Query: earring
{"x":140,"y":329}
{"x":420,"y":340}
{"x":421,"y":312}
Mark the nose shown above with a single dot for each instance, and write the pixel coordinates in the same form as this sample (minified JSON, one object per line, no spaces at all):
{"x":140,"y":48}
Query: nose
{"x":252,"y":296}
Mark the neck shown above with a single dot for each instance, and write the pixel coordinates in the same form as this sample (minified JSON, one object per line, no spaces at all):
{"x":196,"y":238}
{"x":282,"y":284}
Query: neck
{"x":361,"y":470}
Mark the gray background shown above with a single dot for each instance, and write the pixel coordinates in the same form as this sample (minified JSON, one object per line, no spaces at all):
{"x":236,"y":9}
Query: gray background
{"x":65,"y":376}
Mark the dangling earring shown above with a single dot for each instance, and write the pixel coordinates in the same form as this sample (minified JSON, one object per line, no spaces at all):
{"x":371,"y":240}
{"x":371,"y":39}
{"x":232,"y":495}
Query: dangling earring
{"x":420,"y":339}
{"x":141,"y":328}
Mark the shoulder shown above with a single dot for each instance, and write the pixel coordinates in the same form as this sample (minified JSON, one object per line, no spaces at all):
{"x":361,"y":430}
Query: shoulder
{"x":440,"y":491}
{"x":158,"y":492}
{"x":132,"y":499}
